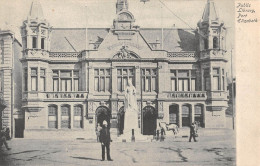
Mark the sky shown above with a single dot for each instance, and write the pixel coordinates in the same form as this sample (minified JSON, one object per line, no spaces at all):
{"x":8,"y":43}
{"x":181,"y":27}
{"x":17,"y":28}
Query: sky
{"x":100,"y":13}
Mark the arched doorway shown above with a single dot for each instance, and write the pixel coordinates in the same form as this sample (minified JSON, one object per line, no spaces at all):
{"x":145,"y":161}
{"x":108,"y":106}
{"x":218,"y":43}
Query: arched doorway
{"x":186,"y":115}
{"x":149,"y":120}
{"x":173,"y":114}
{"x":199,"y":115}
{"x":103,"y":113}
{"x":121,"y":120}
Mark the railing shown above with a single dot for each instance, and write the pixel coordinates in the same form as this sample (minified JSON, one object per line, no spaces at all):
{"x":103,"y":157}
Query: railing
{"x":182,"y":55}
{"x":65,"y":55}
{"x":65,"y":95}
{"x":213,"y":53}
{"x":187,"y":95}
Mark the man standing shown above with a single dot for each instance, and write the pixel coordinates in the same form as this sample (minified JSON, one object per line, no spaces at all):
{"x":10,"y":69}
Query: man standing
{"x":192,"y":132}
{"x":3,"y":135}
{"x":105,"y":141}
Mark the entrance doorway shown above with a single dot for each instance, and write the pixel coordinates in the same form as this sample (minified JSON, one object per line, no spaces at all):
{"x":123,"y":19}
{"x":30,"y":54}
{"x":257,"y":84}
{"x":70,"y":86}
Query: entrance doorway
{"x":103,"y":113}
{"x":199,"y":115}
{"x":173,"y":114}
{"x":19,"y":128}
{"x":121,"y":120}
{"x":149,"y":120}
{"x":186,"y":116}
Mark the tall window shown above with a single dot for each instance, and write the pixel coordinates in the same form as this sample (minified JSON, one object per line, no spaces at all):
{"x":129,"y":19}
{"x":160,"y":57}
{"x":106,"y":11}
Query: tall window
{"x":123,"y":75}
{"x":42,"y":80}
{"x":78,"y":117}
{"x":183,"y":80}
{"x":215,"y":42}
{"x":42,"y":43}
{"x":34,"y":79}
{"x":206,"y":79}
{"x":102,"y":80}
{"x":62,"y":80}
{"x":149,"y":80}
{"x":216,"y":79}
{"x":65,"y":116}
{"x":25,"y":79}
{"x":34,"y":42}
{"x":223,"y":79}
{"x":206,"y":44}
{"x":52,"y":116}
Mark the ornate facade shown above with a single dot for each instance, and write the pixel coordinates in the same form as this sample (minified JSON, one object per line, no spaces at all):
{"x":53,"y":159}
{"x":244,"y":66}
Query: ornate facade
{"x":75,"y":78}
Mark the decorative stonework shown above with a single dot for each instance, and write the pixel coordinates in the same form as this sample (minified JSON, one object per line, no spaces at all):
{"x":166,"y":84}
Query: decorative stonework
{"x":181,"y":55}
{"x":124,"y":53}
{"x":65,"y":55}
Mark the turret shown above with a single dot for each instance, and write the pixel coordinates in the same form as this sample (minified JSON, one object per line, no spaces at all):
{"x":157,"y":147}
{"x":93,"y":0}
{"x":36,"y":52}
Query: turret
{"x":120,"y":5}
{"x":36,"y":30}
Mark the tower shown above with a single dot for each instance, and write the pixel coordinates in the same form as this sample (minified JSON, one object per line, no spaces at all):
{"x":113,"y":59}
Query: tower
{"x":36,"y":30}
{"x":212,"y":33}
{"x":120,"y":5}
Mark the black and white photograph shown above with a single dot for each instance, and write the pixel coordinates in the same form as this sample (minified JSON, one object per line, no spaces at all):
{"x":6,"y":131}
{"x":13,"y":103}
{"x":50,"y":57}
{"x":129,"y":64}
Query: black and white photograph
{"x":119,"y":82}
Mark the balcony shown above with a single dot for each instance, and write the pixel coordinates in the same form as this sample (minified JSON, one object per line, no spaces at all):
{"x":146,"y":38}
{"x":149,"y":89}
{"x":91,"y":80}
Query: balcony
{"x":216,"y":54}
{"x":217,"y":95}
{"x":187,"y":95}
{"x":191,"y":55}
{"x":55,"y":95}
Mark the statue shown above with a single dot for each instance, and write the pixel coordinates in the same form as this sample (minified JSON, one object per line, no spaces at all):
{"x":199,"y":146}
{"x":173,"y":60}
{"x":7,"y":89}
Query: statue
{"x":131,"y":110}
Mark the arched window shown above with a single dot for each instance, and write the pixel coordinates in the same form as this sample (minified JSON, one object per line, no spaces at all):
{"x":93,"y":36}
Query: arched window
{"x":65,"y":116}
{"x":42,"y":43}
{"x":34,"y":42}
{"x":78,"y":123}
{"x":173,"y":114}
{"x":206,"y":44}
{"x":215,"y":42}
{"x":186,"y":115}
{"x":52,"y":116}
{"x":199,"y":115}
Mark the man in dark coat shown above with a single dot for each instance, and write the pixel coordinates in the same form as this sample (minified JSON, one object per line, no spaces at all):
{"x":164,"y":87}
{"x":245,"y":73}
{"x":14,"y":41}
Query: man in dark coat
{"x":192,"y":132}
{"x":105,"y":141}
{"x":3,"y":138}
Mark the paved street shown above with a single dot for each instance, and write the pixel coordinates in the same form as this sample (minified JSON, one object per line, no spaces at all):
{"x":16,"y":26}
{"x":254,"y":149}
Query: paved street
{"x":210,"y":150}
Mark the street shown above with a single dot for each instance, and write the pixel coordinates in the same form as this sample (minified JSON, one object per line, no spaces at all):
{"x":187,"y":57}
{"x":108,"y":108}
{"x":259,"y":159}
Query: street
{"x":209,"y":150}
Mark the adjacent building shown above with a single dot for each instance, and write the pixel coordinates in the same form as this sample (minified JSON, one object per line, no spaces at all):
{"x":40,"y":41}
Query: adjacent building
{"x":74,"y":78}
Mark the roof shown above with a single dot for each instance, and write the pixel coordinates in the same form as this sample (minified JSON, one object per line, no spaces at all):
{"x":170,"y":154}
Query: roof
{"x":74,"y":39}
{"x":210,"y":12}
{"x":36,"y":10}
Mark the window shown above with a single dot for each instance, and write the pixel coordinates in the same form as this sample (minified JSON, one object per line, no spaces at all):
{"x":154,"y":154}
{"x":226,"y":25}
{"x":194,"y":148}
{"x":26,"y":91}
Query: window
{"x":52,"y":117}
{"x":215,"y":42}
{"x":78,"y":117}
{"x":25,"y":79}
{"x":183,"y":80}
{"x":123,"y":75}
{"x":206,"y":45}
{"x":34,"y":79}
{"x":149,"y":80}
{"x":102,"y":80}
{"x":42,"y":43}
{"x":65,"y":80}
{"x":42,"y":80}
{"x":223,"y":79}
{"x":216,"y":77}
{"x":65,"y":116}
{"x":34,"y":42}
{"x":206,"y":79}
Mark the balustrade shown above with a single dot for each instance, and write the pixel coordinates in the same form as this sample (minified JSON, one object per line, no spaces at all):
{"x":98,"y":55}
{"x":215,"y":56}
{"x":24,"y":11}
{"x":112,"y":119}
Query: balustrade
{"x":187,"y":95}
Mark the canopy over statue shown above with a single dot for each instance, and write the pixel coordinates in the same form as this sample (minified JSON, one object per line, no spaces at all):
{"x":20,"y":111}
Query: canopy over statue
{"x":131,"y":109}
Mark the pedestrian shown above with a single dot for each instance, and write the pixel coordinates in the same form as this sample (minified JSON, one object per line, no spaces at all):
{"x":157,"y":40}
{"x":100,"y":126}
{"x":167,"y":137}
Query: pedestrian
{"x":105,"y":141}
{"x":192,"y":132}
{"x":3,"y":135}
{"x":98,"y":131}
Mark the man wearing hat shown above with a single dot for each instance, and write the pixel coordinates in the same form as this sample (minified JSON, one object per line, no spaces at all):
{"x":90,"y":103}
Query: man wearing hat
{"x":192,"y":132}
{"x":105,"y":141}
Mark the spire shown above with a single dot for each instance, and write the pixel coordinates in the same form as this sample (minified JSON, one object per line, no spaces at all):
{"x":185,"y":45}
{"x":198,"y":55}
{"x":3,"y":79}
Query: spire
{"x":36,"y":10}
{"x":210,"y":13}
{"x":120,"y":5}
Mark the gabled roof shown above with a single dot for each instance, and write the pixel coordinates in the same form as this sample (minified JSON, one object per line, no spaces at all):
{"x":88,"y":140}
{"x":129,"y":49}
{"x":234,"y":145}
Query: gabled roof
{"x":68,"y":39}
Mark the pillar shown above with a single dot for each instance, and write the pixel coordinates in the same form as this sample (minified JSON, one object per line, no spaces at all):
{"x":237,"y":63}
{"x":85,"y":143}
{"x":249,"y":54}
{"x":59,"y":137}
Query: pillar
{"x":59,"y":116}
{"x":192,"y":107}
{"x":84,"y":116}
{"x":180,"y":115}
{"x":71,"y":117}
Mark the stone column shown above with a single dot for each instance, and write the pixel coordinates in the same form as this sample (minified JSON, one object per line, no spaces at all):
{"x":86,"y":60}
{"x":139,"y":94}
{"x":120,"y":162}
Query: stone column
{"x":192,"y":107}
{"x":114,"y":80}
{"x":59,"y":116}
{"x":91,"y":79}
{"x":39,"y":38}
{"x":71,"y":116}
{"x":84,"y":116}
{"x":137,"y":79}
{"x":204,"y":115}
{"x":180,"y":115}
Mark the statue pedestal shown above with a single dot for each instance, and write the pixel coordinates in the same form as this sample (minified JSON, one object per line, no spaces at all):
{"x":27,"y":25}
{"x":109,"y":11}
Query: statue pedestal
{"x":130,"y":123}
